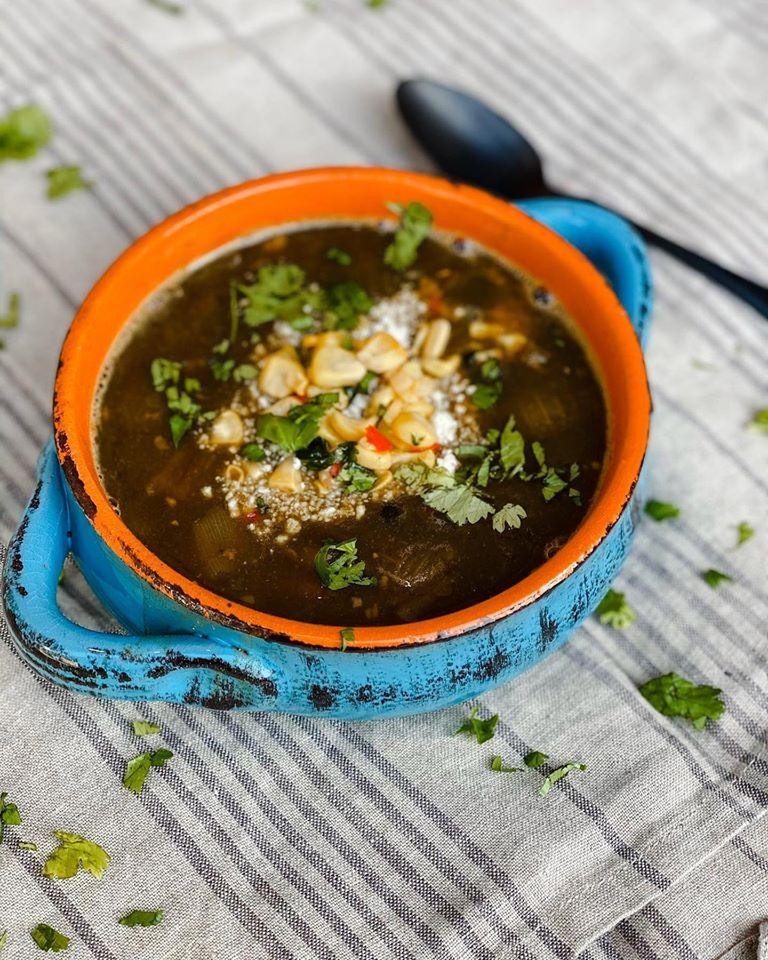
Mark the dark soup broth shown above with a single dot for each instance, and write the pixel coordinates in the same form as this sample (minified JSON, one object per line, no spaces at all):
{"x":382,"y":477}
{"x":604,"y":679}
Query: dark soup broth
{"x":344,"y":425}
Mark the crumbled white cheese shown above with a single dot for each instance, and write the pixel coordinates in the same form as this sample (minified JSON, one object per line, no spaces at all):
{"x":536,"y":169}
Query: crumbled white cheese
{"x":285,"y":332}
{"x":399,"y":315}
{"x":446,"y":426}
{"x":448,"y":461}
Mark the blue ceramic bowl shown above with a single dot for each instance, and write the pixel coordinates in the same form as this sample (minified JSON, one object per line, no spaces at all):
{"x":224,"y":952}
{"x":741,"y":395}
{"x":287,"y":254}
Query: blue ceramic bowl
{"x":182,"y":648}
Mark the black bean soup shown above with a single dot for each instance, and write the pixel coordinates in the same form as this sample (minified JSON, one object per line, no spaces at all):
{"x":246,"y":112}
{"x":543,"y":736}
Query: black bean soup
{"x":346,"y":425}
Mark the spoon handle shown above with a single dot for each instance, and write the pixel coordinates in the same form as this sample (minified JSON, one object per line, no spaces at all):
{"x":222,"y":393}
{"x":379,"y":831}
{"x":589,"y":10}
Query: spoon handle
{"x":752,"y":292}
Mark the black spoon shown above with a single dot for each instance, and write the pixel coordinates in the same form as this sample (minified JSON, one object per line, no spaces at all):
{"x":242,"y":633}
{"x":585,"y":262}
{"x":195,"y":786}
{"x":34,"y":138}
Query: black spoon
{"x":472,"y":143}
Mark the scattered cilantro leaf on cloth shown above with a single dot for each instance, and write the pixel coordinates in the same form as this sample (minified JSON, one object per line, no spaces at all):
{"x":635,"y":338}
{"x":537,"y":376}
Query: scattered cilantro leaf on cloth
{"x":415,"y":224}
{"x":75,"y":853}
{"x":714,"y":578}
{"x":535,"y":758}
{"x":658,"y":510}
{"x":27,"y":845}
{"x":510,"y":515}
{"x":3,"y":938}
{"x":138,"y":767}
{"x":142,"y":918}
{"x":760,"y":420}
{"x":745,"y":531}
{"x":482,"y":730}
{"x":498,"y":766}
{"x":23,"y":132}
{"x":12,"y":315}
{"x":167,"y":6}
{"x":49,"y":939}
{"x":9,"y":814}
{"x":143,"y":728}
{"x":338,"y":566}
{"x":674,"y":696}
{"x":347,"y":635}
{"x":614,"y":611}
{"x":64,"y":180}
{"x":557,"y":775}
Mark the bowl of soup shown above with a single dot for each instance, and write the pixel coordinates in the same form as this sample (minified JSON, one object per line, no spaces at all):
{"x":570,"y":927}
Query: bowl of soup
{"x":340,"y":441}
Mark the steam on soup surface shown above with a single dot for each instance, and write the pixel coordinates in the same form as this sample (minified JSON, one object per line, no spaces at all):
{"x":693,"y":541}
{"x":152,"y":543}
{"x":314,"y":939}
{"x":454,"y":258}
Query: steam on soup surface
{"x":343,"y":425}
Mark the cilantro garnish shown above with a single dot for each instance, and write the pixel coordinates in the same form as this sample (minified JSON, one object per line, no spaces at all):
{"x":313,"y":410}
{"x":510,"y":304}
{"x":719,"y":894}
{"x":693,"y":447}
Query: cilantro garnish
{"x":143,"y":728}
{"x":185,"y":412}
{"x":142,"y":918}
{"x":497,"y":764}
{"x":760,"y":420}
{"x":459,"y":503}
{"x":49,"y":939}
{"x":347,"y":636}
{"x":744,"y":532}
{"x":511,"y":448}
{"x":338,"y":256}
{"x":510,"y":515}
{"x":614,"y":611}
{"x":9,"y":814}
{"x":297,"y":430}
{"x":659,"y":510}
{"x":167,"y":6}
{"x":279,"y":293}
{"x":482,"y":730}
{"x":63,"y":180}
{"x":23,"y":132}
{"x":415,"y":224}
{"x":137,"y":769}
{"x":535,"y":758}
{"x":488,"y":385}
{"x":674,"y":696}
{"x":558,"y":774}
{"x":714,"y":577}
{"x":356,"y":478}
{"x":75,"y":853}
{"x":253,"y":452}
{"x":10,"y":318}
{"x":338,"y":566}
{"x":346,"y":303}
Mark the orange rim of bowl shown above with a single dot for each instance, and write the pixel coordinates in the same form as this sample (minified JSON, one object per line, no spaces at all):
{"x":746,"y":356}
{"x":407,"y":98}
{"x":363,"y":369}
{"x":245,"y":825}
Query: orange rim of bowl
{"x":352,"y":193}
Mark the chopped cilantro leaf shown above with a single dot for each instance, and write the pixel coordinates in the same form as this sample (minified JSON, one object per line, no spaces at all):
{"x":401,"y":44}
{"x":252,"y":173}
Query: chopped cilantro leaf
{"x":482,"y":730}
{"x":347,"y":302}
{"x":357,"y":479}
{"x":11,"y":317}
{"x":167,"y":6}
{"x":415,"y":224}
{"x":75,"y":853}
{"x":221,"y":369}
{"x":244,"y":372}
{"x":142,"y":918}
{"x":338,"y":256}
{"x":138,"y":767}
{"x":143,"y":728}
{"x":488,"y":385}
{"x":497,"y":764}
{"x":511,"y":448}
{"x":659,"y":510}
{"x":510,"y":515}
{"x":553,"y":484}
{"x":535,"y":758}
{"x":614,"y":611}
{"x":558,"y":774}
{"x":460,"y":504}
{"x":744,"y":532}
{"x":63,"y":180}
{"x":347,"y":636}
{"x":165,"y":373}
{"x":23,"y":132}
{"x":49,"y":939}
{"x":9,"y":814}
{"x":674,"y":696}
{"x":253,"y":452}
{"x":299,"y":428}
{"x":714,"y":577}
{"x":338,"y":566}
{"x":760,"y":420}
{"x":279,"y":293}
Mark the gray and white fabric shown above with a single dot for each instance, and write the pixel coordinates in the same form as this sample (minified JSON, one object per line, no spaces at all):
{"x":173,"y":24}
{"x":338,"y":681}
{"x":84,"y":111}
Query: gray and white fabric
{"x":278,"y":837}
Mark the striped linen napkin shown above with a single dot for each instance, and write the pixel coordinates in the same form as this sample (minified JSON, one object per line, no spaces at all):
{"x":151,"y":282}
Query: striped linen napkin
{"x":277,"y":837}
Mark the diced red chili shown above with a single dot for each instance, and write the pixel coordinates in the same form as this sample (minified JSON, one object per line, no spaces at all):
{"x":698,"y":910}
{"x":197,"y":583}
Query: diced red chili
{"x":335,"y":469}
{"x":377,"y":440}
{"x":253,"y":516}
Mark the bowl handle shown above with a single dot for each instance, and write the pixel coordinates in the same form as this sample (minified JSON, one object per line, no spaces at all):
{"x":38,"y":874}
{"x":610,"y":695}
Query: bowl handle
{"x":610,"y":243}
{"x":175,"y":667}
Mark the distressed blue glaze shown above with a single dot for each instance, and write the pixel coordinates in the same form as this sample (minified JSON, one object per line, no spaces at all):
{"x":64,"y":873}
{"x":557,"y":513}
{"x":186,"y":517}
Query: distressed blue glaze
{"x":173,"y":653}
